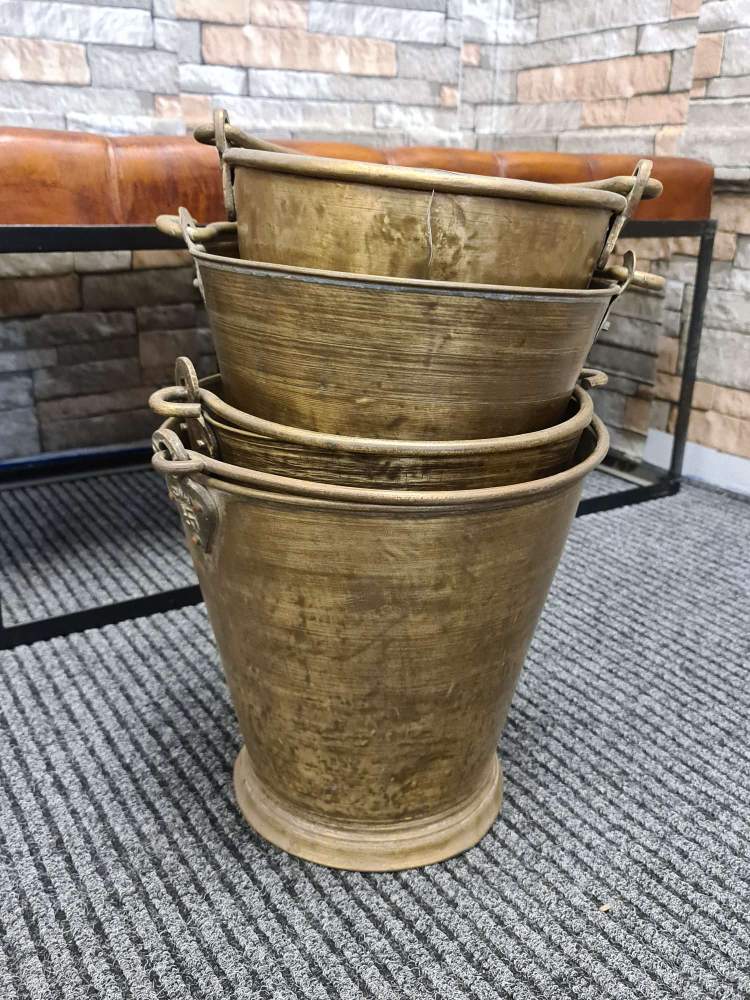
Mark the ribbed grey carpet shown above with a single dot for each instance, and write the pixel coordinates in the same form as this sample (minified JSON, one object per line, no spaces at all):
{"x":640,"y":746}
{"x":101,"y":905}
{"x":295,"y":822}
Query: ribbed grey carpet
{"x":85,"y":542}
{"x":618,"y":868}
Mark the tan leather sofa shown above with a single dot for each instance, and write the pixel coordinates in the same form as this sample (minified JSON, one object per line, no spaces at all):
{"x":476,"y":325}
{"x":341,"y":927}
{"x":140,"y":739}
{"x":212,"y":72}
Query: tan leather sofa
{"x":74,"y":178}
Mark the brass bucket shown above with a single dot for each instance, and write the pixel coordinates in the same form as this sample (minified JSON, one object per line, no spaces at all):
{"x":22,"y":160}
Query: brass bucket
{"x":409,"y":222}
{"x":242,"y":439}
{"x":372,"y":641}
{"x":393,"y":358}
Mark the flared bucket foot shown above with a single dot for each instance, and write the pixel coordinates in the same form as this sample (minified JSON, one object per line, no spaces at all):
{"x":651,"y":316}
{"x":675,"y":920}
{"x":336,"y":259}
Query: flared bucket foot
{"x":379,"y":848}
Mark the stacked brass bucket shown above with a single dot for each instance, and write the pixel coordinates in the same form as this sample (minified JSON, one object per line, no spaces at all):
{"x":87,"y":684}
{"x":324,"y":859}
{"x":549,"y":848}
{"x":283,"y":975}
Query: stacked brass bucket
{"x":377,"y":488}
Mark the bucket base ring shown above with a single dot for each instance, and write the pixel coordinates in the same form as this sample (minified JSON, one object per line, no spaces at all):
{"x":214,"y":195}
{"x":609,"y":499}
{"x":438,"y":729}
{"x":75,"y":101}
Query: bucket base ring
{"x":381,"y":848}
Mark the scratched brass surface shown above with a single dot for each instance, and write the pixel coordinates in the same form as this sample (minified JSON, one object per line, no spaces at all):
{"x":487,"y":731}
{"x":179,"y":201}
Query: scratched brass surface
{"x":401,"y":221}
{"x":389,"y":360}
{"x":372,"y":650}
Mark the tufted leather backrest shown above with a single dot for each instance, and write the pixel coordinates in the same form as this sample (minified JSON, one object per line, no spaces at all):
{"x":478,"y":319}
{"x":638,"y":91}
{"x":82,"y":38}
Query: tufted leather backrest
{"x":74,"y":178}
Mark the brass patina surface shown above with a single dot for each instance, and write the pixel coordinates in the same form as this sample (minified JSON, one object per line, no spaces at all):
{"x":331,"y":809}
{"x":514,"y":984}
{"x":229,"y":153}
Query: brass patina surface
{"x":242,"y":439}
{"x":372,"y":641}
{"x":341,"y":355}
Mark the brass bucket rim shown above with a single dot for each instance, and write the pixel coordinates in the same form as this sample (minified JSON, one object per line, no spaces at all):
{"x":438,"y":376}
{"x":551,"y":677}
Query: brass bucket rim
{"x":171,"y":458}
{"x":238,"y":421}
{"x":383,"y":282}
{"x":426,"y":179}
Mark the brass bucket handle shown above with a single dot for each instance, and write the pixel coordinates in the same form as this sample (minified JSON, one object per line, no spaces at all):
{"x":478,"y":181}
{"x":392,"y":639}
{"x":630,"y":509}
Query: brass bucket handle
{"x":592,"y":378}
{"x":172,"y":401}
{"x":233,"y":136}
{"x":641,"y":175}
{"x":192,"y":232}
{"x":170,"y":455}
{"x":221,"y":120}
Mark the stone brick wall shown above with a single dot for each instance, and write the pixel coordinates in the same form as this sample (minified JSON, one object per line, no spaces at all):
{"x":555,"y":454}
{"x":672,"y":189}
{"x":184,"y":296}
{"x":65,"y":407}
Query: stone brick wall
{"x":648,"y":77}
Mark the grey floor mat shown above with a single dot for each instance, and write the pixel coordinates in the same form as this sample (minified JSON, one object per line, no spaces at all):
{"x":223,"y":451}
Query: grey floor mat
{"x":618,"y":867}
{"x":82,"y":543}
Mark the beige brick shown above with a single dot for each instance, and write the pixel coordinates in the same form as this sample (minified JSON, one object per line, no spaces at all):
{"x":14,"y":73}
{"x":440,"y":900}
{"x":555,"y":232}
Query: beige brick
{"x":666,"y":359}
{"x":720,"y":431}
{"x":609,"y":78}
{"x":30,"y":265}
{"x":449,"y":96}
{"x":725,"y":246}
{"x":160,"y":258}
{"x":733,"y":402}
{"x":698,"y":89}
{"x":41,"y":61}
{"x":167,"y":106}
{"x":657,"y":109}
{"x":196,"y":109}
{"x":595,"y":113}
{"x":732,"y":211}
{"x":637,"y":414}
{"x":222,"y":11}
{"x":707,"y":59}
{"x":669,"y":386}
{"x":668,"y":142}
{"x":279,"y":13}
{"x":281,"y":48}
{"x":471,"y":54}
{"x":685,"y":8}
{"x":32,"y":296}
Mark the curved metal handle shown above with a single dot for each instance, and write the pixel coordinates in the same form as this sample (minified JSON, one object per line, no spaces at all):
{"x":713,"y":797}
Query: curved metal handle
{"x":641,"y":176}
{"x":638,"y":279}
{"x":624,"y":184}
{"x":171,"y":225}
{"x":236,"y":137}
{"x":172,"y":401}
{"x":592,"y":378}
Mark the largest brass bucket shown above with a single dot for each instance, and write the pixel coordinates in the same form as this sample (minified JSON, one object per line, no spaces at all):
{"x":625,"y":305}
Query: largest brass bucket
{"x":370,"y":218}
{"x":372,"y":641}
{"x":395,"y":359}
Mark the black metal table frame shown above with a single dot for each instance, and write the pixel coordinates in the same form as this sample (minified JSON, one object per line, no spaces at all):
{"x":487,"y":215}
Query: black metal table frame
{"x":51,"y":239}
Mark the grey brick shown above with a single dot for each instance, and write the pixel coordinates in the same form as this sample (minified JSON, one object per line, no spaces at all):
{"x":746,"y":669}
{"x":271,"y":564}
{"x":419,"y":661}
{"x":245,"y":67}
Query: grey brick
{"x":86,"y":100}
{"x":24,"y":361}
{"x":26,"y":265}
{"x":729,"y":86}
{"x":332,"y":86}
{"x":626,"y":444}
{"x":19,"y":433}
{"x":722,"y":15}
{"x":125,"y":124}
{"x":489,"y":28}
{"x":725,"y":358}
{"x":199,"y":79}
{"x":454,"y":34}
{"x":78,"y":328}
{"x":736,"y":59}
{"x":483,"y":86}
{"x":91,"y":376}
{"x":15,"y":391}
{"x":728,"y":310}
{"x":142,"y":69}
{"x":160,"y":348}
{"x":269,"y":113}
{"x":166,"y":317}
{"x":569,"y":49}
{"x":638,"y":141}
{"x":639,"y":304}
{"x":143,"y":4}
{"x":667,"y":37}
{"x":742,"y":256}
{"x":542,"y":141}
{"x":719,"y":111}
{"x":414,"y":117}
{"x":163,"y":286}
{"x":94,"y":404}
{"x":610,"y":407}
{"x":528,"y":117}
{"x":371,"y":21}
{"x":571,"y":17}
{"x":165,"y":8}
{"x":636,"y":334}
{"x":105,"y":350}
{"x":12,"y":334}
{"x":76,"y":23}
{"x":722,"y":146}
{"x":620,"y":361}
{"x":441,"y":64}
{"x":681,"y":77}
{"x":86,"y":262}
{"x":30,"y":119}
{"x":90,"y":432}
{"x":439,"y":5}
{"x":181,"y":37}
